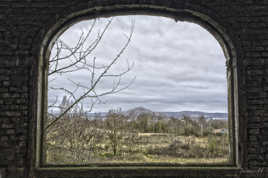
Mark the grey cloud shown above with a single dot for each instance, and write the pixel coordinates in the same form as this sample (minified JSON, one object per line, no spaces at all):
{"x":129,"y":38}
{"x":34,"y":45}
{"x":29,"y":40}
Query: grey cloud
{"x":178,"y":66}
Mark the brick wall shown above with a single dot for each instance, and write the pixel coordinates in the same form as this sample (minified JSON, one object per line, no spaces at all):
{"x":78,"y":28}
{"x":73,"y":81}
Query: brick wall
{"x":24,"y":24}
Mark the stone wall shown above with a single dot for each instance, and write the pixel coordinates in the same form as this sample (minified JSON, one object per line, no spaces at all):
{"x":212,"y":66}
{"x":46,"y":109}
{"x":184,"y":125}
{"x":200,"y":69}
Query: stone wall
{"x":24,"y":25}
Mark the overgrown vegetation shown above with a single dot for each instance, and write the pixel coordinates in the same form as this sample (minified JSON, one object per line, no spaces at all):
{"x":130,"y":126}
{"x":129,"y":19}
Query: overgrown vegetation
{"x":81,"y":139}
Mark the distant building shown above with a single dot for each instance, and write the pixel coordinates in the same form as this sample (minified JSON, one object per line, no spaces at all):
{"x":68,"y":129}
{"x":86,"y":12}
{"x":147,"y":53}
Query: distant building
{"x":219,"y":118}
{"x":220,"y":131}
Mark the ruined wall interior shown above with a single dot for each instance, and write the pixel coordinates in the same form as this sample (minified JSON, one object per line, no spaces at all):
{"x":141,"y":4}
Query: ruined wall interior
{"x":27,"y":25}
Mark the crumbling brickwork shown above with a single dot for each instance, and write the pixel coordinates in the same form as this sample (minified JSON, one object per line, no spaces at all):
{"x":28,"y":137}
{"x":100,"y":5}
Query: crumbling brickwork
{"x":25,"y":25}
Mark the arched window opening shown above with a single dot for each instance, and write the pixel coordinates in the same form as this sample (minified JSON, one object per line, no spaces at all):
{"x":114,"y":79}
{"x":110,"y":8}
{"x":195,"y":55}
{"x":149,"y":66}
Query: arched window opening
{"x":136,"y":89}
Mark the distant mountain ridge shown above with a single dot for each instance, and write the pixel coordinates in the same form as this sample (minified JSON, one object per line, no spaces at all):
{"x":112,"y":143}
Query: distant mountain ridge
{"x":196,"y":114}
{"x":135,"y":112}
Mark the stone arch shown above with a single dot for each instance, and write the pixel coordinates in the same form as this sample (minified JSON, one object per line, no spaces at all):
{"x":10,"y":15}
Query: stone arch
{"x":178,"y":12}
{"x":222,"y":35}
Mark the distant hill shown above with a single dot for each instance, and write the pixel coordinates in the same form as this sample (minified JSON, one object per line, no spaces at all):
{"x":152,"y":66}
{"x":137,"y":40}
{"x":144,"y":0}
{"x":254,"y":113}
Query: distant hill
{"x":135,"y":112}
{"x":196,"y":114}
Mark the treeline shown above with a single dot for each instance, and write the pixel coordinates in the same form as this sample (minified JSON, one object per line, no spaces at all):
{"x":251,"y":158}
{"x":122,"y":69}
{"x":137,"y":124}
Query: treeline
{"x":75,"y":138}
{"x":186,"y":126}
{"x":151,"y":123}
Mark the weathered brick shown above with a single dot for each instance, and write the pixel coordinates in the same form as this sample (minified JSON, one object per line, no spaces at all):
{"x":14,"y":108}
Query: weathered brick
{"x":23,"y":25}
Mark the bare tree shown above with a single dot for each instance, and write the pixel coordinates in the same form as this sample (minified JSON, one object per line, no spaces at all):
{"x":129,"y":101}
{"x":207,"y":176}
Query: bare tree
{"x":73,"y":138}
{"x":68,"y":59}
{"x":115,"y":124}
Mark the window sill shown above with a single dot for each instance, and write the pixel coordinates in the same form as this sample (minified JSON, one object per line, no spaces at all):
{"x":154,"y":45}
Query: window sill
{"x":137,"y":171}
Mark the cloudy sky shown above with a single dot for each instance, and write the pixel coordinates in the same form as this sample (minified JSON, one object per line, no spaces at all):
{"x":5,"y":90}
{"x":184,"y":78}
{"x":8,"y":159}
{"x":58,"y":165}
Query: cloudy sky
{"x":174,"y":66}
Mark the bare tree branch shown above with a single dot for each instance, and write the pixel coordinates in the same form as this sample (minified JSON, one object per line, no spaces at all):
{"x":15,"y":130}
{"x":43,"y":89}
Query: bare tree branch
{"x":75,"y":50}
{"x":79,"y":56}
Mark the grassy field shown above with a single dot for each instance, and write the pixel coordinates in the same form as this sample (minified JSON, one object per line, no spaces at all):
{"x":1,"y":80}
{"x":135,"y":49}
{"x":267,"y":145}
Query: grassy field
{"x":139,"y":148}
{"x":118,"y":138}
